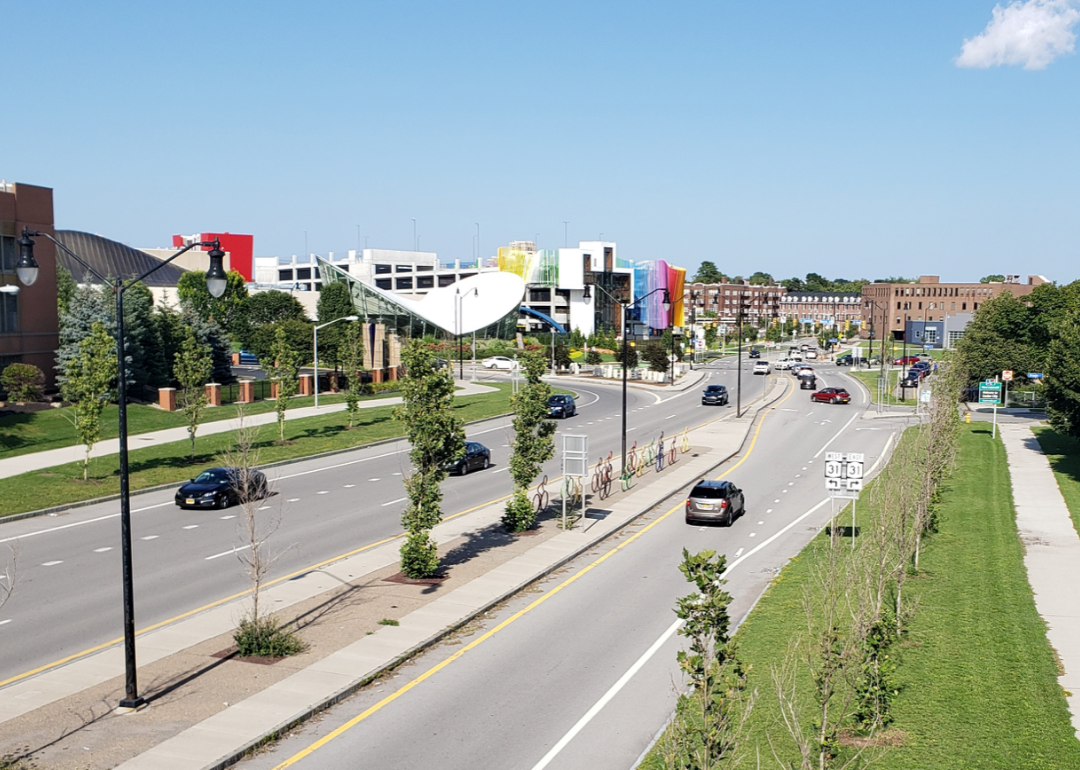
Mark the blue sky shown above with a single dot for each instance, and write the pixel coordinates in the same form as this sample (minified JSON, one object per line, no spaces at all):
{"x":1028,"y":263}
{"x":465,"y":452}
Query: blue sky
{"x":838,"y":137}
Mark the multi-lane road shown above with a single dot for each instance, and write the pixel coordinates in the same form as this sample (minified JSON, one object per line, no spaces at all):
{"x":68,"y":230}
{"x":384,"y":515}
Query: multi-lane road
{"x":69,"y":599}
{"x":584,"y":676}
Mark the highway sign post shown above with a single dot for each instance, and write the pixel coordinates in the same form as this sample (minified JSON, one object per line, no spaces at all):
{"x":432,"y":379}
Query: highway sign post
{"x":844,"y":480}
{"x":990,"y":393}
{"x":575,"y":464}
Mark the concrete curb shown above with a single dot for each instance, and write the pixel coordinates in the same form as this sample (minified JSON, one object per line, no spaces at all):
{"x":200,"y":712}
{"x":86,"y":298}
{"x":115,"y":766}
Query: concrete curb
{"x":330,"y":701}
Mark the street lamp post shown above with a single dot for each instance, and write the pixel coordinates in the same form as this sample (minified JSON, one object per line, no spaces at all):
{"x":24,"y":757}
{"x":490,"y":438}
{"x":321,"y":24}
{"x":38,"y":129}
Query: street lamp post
{"x":315,"y":332}
{"x":625,"y":307}
{"x":459,"y":301}
{"x":216,"y":283}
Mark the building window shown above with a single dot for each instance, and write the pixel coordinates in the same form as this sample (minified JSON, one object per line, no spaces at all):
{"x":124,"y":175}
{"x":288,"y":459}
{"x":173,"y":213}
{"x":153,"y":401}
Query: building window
{"x":446,"y":280}
{"x":303,"y":273}
{"x":963,"y":306}
{"x":9,"y":313}
{"x":8,"y":253}
{"x":384,"y":283}
{"x":403,"y":268}
{"x":404,"y":283}
{"x":954,"y":337}
{"x":930,"y":335}
{"x":285,"y":275}
{"x":425,"y":282}
{"x":382,"y":269}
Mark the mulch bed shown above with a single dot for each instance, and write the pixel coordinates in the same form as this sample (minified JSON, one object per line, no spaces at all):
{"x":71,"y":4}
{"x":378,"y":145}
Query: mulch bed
{"x":401,"y":577}
{"x":230,"y":652}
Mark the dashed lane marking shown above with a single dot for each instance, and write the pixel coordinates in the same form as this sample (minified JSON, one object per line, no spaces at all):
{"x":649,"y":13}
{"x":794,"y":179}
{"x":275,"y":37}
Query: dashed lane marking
{"x":399,"y":500}
{"x":103,"y":550}
{"x":226,"y":553}
{"x":52,"y":563}
{"x":149,"y":537}
{"x":196,"y":526}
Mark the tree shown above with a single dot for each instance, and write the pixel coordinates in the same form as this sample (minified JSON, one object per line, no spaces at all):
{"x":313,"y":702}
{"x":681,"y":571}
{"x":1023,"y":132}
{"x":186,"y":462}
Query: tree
{"x":269,"y":307}
{"x":335,"y":301}
{"x":657,"y":357}
{"x":593,"y":357}
{"x":299,"y":334}
{"x":708,"y":273}
{"x":710,"y":335}
{"x":147,"y":369}
{"x":793,"y":284}
{"x":192,"y":368}
{"x":994,"y":278}
{"x":87,"y":307}
{"x":632,"y":359}
{"x":815,"y":282}
{"x":353,"y":363}
{"x":1063,"y":378}
{"x":66,"y":287}
{"x":998,"y":338}
{"x":533,"y":443}
{"x":562,"y":353}
{"x":88,"y":385}
{"x":577,"y":339}
{"x":23,"y":382}
{"x":761,"y":279}
{"x":437,"y":438}
{"x":226,"y":310}
{"x":284,"y":370}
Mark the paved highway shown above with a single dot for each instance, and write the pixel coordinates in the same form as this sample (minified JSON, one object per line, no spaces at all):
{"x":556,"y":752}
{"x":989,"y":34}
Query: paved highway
{"x":587,"y":676}
{"x":69,"y":600}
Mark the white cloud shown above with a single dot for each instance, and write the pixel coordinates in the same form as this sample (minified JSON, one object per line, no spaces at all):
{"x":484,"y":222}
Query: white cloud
{"x":1032,"y":33}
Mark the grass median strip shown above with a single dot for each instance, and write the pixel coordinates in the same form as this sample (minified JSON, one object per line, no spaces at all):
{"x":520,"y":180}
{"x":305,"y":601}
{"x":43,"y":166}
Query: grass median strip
{"x":976,"y":679}
{"x":167,"y":463}
{"x":1063,"y":452}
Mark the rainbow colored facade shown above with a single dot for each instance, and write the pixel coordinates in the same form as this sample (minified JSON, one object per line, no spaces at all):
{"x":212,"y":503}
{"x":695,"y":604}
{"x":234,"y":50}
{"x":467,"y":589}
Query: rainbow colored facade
{"x":650,"y":277}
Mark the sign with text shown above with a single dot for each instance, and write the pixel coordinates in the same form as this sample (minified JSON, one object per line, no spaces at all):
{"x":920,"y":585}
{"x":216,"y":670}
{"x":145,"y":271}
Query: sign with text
{"x":1007,"y":375}
{"x":575,"y":455}
{"x":990,"y":393}
{"x":844,"y":474}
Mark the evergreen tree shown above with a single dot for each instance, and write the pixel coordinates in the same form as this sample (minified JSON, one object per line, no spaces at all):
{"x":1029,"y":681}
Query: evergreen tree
{"x":146,"y":369}
{"x":212,"y":335}
{"x":533,"y":442}
{"x":708,"y":273}
{"x":632,"y":359}
{"x":1063,"y":378}
{"x":87,"y":306}
{"x":656,"y":355}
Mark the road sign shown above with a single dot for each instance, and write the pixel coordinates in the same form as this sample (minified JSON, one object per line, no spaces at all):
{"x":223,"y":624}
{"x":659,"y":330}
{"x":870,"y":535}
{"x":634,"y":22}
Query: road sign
{"x":1007,"y":375}
{"x":1034,"y":375}
{"x":990,"y":393}
{"x":927,"y":346}
{"x":575,"y":455}
{"x":925,"y":396}
{"x":844,"y":474}
{"x":699,"y":344}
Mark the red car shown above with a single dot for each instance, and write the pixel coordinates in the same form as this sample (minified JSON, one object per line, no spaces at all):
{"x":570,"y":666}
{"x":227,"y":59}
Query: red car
{"x":831,"y":396}
{"x":906,"y":361}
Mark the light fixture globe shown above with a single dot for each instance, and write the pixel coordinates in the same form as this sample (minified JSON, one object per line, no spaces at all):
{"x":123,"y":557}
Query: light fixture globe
{"x":667,"y":301}
{"x":216,"y":278}
{"x":27,"y":267}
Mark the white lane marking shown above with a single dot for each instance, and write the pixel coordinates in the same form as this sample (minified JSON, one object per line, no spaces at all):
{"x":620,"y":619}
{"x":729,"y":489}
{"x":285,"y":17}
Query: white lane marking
{"x":588,"y":423}
{"x":397,"y":474}
{"x":373,"y":479}
{"x":264,"y":508}
{"x":611,"y":693}
{"x":776,"y":501}
{"x":226,"y":553}
{"x":791,"y":483}
{"x":52,"y":563}
{"x":196,"y":526}
{"x":804,"y":467}
{"x":853,"y":417}
{"x":753,"y":534}
{"x":349,"y":486}
{"x":666,"y":418}
{"x":761,"y":522}
{"x":80,"y":523}
{"x":399,"y":500}
{"x":232,"y":516}
{"x":3,"y":622}
{"x":738,"y":553}
{"x":799,"y":475}
{"x":293,"y":500}
{"x":500,"y":470}
{"x":783,"y":491}
{"x":149,"y":537}
{"x":103,"y":550}
{"x":768,"y":510}
{"x":322,"y":492}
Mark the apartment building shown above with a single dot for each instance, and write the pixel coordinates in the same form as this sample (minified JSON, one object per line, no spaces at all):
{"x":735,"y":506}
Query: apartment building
{"x":831,"y":309}
{"x":761,"y":304}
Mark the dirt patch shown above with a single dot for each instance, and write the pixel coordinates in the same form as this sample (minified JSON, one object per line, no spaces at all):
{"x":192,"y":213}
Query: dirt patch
{"x":401,"y":577}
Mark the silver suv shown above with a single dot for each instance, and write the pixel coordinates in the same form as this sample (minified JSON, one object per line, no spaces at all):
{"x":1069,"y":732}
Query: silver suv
{"x":712,"y":501}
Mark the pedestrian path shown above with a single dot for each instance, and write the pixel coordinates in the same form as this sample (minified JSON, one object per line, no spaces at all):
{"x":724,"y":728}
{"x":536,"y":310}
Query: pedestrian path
{"x":35,"y":461}
{"x":1051,"y":552}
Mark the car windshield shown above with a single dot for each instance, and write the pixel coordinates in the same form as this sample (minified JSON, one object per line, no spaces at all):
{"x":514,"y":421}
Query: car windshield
{"x":212,"y":477}
{"x":715,"y":389}
{"x":559,"y":400}
{"x":709,"y":493}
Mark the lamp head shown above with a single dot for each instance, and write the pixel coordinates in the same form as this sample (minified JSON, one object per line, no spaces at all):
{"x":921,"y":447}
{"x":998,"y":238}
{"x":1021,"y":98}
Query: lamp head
{"x":27,"y":267}
{"x":216,"y":278}
{"x":587,"y":294}
{"x":667,"y":301}
{"x":352,"y":318}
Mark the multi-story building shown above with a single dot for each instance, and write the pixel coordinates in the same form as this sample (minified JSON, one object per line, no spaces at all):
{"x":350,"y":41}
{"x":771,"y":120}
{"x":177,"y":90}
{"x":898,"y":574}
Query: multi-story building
{"x":761,"y":304}
{"x":830,"y":309}
{"x":28,"y":317}
{"x":898,"y":310}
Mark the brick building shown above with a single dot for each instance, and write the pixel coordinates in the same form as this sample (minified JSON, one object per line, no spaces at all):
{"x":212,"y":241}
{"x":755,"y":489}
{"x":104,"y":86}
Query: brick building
{"x":29,"y":326}
{"x":760,"y":303}
{"x":831,"y":309}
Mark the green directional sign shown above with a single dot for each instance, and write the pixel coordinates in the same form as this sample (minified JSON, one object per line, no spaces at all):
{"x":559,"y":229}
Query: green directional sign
{"x":990,"y":393}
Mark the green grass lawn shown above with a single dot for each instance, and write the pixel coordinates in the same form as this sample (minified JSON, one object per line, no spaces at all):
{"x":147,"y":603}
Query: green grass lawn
{"x":1063,"y":452}
{"x":21,"y":433}
{"x":977,"y":678}
{"x":168,"y":463}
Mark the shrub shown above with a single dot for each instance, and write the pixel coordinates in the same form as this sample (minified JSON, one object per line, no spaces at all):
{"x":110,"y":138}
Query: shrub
{"x":593,"y":358}
{"x":265,"y":638}
{"x":23,"y":382}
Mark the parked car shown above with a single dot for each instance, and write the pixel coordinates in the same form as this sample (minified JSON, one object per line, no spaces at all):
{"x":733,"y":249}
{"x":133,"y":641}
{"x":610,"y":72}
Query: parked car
{"x":500,"y":362}
{"x":754,"y":353}
{"x":922,"y":365}
{"x":248,"y":359}
{"x":715,"y":501}
{"x":761,"y":367}
{"x":905,"y":361}
{"x":222,"y":487}
{"x":561,"y":406}
{"x":831,"y":396}
{"x":477,"y":457}
{"x":715,"y":395}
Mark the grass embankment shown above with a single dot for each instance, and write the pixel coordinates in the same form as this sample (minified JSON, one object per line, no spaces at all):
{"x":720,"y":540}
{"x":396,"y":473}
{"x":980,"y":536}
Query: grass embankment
{"x":977,"y":678}
{"x":870,"y":380}
{"x":168,"y":463}
{"x":25,"y":432}
{"x":1063,"y":452}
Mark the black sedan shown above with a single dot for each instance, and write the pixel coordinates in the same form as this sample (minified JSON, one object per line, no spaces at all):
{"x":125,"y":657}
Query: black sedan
{"x":561,"y":406}
{"x":714,"y":395}
{"x":476,"y":457}
{"x":222,"y":487}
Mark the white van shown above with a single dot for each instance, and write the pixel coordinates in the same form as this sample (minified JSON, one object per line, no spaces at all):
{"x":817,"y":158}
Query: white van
{"x":811,"y":355}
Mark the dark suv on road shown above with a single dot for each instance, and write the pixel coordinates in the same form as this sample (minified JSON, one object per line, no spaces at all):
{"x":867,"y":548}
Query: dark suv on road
{"x":712,"y":501}
{"x":561,"y":406}
{"x":715,"y":395}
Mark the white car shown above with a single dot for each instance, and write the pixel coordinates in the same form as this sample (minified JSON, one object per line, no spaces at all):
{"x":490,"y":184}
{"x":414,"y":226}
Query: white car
{"x":500,"y":362}
{"x":761,"y":367}
{"x":783,"y":364}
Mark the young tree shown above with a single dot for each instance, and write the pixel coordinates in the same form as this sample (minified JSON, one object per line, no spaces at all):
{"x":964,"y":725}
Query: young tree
{"x":66,"y":287}
{"x":88,"y":385}
{"x":192,"y":368}
{"x":23,"y":382}
{"x":632,"y":357}
{"x":353,"y":363}
{"x":533,"y":443}
{"x":593,"y":357}
{"x":1063,"y":378}
{"x":437,"y":437}
{"x":335,"y":301}
{"x":657,"y":357}
{"x":284,"y":370}
{"x":87,"y":307}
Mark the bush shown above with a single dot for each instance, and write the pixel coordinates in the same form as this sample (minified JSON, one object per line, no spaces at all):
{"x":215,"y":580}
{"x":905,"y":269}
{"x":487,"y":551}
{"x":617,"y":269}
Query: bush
{"x":23,"y":382}
{"x":265,"y":638}
{"x":519,"y":514}
{"x":593,"y":358}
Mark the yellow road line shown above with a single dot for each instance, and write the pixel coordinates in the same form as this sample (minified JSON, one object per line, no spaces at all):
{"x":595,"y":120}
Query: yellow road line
{"x":520,"y":613}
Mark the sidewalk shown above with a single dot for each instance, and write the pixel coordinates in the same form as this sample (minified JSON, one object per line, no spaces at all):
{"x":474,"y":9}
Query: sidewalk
{"x":232,"y":729}
{"x":35,"y":461}
{"x":1051,"y":552}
